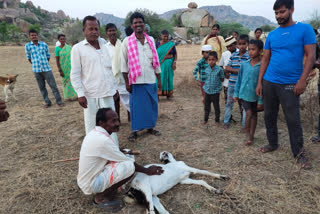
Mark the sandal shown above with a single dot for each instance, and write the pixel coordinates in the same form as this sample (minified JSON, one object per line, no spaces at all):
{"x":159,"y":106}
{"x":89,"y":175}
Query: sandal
{"x":133,"y":136}
{"x":267,"y":148}
{"x":315,"y":139}
{"x":154,"y":132}
{"x":110,"y":206}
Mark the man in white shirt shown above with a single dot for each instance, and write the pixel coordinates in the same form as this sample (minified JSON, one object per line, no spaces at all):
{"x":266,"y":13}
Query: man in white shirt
{"x":91,"y":73}
{"x":114,"y":47}
{"x":139,"y":51}
{"x":103,"y":168}
{"x":231,"y":44}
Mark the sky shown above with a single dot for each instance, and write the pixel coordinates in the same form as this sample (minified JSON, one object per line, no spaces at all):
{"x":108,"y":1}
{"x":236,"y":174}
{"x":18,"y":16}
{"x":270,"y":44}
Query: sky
{"x":80,"y":8}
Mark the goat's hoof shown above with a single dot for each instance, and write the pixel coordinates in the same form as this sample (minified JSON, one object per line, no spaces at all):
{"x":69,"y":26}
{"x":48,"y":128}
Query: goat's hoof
{"x":219,"y":192}
{"x":224,"y":177}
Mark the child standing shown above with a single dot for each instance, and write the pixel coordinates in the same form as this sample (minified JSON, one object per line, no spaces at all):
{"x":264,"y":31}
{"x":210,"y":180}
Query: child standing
{"x":233,"y":68}
{"x":245,"y":88}
{"x":212,"y":87}
{"x":199,"y":70}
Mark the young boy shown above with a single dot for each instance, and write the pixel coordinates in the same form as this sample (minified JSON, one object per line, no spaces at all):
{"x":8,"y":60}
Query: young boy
{"x":233,"y":68}
{"x":200,"y":68}
{"x":245,"y":88}
{"x":212,"y":87}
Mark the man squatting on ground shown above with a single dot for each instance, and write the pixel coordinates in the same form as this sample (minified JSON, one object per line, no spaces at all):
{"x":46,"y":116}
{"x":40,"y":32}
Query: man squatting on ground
{"x":140,"y":67}
{"x":283,"y":77}
{"x":4,"y":115}
{"x":91,"y":73}
{"x":103,"y":168}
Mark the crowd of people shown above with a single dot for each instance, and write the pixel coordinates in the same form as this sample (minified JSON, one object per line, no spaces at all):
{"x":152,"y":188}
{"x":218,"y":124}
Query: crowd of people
{"x":258,"y":75}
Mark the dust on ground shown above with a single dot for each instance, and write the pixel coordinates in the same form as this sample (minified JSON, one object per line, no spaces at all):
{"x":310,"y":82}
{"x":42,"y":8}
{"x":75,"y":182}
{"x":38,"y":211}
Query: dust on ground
{"x":33,"y":137}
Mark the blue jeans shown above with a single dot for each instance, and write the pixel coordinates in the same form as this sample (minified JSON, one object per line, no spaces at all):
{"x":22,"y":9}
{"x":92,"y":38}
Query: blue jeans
{"x":41,"y":78}
{"x":229,"y":106}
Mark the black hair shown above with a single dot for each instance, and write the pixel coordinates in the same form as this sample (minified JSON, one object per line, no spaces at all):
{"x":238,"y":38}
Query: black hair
{"x":244,"y":37}
{"x":101,"y":115}
{"x":61,"y":35}
{"x":128,"y":30}
{"x":136,"y":15}
{"x":257,"y":43}
{"x":110,"y":25}
{"x":258,"y":30}
{"x":216,"y":25}
{"x":33,"y":31}
{"x":287,"y":3}
{"x":90,"y":18}
{"x":214,"y":54}
{"x":164,"y":32}
{"x":236,"y":32}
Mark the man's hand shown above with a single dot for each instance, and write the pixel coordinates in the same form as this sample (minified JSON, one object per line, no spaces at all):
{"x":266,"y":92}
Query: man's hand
{"x":83,"y":102}
{"x":129,"y":88}
{"x":199,"y":83}
{"x":159,"y":85}
{"x":174,"y":66}
{"x":116,"y":96}
{"x":300,"y":87}
{"x":235,"y":99}
{"x":61,"y":73}
{"x":259,"y":89}
{"x":154,"y":170}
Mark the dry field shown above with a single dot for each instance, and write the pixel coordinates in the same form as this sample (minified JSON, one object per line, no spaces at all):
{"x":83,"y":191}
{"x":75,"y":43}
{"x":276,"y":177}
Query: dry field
{"x":34,"y":137}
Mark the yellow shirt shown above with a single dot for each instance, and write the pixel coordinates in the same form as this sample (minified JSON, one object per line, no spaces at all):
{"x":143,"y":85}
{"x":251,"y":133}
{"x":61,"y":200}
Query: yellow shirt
{"x":215,"y":45}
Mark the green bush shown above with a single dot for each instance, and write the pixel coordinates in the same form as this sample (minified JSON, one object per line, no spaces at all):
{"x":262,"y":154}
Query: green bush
{"x":226,"y":29}
{"x":29,"y":19}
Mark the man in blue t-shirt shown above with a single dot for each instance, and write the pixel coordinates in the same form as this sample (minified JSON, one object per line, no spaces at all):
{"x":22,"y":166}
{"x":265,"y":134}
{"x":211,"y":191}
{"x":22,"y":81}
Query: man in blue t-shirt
{"x":283,"y":76}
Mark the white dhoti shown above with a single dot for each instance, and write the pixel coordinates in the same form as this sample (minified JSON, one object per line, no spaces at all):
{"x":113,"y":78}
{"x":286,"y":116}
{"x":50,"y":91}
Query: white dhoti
{"x":113,"y":173}
{"x":125,"y":101}
{"x":94,"y":104}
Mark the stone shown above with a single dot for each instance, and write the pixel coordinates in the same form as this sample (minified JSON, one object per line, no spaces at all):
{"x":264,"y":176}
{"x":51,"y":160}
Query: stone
{"x":61,"y":14}
{"x":29,"y":4}
{"x":192,"y":5}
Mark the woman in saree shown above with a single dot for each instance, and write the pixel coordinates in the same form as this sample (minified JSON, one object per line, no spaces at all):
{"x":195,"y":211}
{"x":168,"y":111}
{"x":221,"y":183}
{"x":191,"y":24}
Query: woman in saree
{"x":167,"y":57}
{"x":63,"y":59}
{"x":217,"y":42}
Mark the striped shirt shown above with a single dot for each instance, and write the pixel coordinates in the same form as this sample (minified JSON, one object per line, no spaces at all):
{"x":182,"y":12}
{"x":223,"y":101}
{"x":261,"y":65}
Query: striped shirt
{"x":39,"y":55}
{"x":235,"y":62}
{"x":200,"y":68}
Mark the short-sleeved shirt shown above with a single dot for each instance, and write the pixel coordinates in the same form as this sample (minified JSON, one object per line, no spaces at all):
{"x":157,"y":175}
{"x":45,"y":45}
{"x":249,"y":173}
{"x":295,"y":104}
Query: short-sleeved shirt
{"x":200,"y":68}
{"x":245,"y":87}
{"x":235,"y":62}
{"x":287,"y":50}
{"x":39,"y":55}
{"x":212,"y":84}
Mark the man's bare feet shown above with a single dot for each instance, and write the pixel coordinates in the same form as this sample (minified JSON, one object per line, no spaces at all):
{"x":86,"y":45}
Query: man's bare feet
{"x":204,"y":122}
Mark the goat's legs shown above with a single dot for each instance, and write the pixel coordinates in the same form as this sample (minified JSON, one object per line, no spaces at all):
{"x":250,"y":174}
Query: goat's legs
{"x":201,"y":183}
{"x":157,"y":204}
{"x":205,"y":172}
{"x":13,"y":95}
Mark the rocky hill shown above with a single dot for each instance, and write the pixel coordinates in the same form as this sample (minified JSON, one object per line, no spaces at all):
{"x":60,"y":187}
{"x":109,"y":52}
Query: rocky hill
{"x":26,"y":15}
{"x":109,"y":18}
{"x":225,"y":14}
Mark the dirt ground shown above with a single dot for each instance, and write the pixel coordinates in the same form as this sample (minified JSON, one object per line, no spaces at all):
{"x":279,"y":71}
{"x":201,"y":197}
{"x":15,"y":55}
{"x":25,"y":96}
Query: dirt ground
{"x":33,"y":137}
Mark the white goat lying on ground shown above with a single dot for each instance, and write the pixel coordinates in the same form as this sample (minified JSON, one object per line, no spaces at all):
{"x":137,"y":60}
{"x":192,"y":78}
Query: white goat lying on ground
{"x":146,"y":188}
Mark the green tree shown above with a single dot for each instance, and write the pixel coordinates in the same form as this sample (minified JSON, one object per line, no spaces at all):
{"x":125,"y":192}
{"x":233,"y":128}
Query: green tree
{"x":35,"y":27}
{"x":175,"y":20}
{"x":267,"y":28}
{"x":14,"y":31}
{"x":74,"y":32}
{"x":151,"y":18}
{"x":226,"y":29}
{"x":315,"y":20}
{"x":3,"y":31}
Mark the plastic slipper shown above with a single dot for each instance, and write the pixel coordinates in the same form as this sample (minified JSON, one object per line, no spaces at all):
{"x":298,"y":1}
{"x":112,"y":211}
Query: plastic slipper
{"x":267,"y":148}
{"x":110,"y":206}
{"x":154,"y":132}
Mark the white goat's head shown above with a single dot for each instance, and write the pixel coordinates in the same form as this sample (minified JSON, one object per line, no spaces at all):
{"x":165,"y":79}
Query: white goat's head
{"x":166,"y":157}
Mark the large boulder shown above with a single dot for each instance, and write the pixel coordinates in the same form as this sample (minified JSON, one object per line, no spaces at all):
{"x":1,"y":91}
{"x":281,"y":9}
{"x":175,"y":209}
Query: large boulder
{"x":196,"y":18}
{"x":10,"y":3}
{"x":23,"y":25}
{"x":61,"y":14}
{"x":29,"y":4}
{"x":192,"y":5}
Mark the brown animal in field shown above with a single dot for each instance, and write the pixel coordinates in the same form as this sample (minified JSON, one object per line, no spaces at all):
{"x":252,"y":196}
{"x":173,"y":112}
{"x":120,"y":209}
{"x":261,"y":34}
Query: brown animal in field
{"x":8,"y":84}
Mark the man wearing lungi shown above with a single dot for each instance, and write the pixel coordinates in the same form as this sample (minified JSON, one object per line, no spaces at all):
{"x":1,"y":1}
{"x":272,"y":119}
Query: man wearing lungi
{"x":91,"y":73}
{"x":103,"y":168}
{"x":140,"y":67}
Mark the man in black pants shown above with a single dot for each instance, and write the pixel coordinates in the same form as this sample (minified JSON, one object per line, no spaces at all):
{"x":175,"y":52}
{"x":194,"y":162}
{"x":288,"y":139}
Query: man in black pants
{"x":283,"y":77}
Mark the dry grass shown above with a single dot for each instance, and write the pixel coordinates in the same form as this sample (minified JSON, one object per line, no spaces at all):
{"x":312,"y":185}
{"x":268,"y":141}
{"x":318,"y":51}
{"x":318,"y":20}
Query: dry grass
{"x":33,"y":137}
